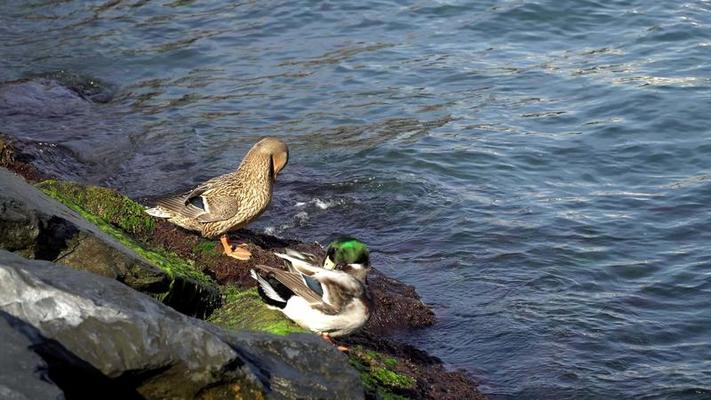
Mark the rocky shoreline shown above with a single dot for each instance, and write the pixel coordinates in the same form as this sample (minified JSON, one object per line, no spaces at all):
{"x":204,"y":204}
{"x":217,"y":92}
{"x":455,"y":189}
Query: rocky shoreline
{"x":194,"y":294}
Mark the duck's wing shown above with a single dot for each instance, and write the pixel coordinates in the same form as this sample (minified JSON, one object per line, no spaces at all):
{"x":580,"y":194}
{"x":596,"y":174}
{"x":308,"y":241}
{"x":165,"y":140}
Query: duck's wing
{"x":204,"y":203}
{"x":339,"y":288}
{"x":296,"y":284}
{"x":305,"y":263}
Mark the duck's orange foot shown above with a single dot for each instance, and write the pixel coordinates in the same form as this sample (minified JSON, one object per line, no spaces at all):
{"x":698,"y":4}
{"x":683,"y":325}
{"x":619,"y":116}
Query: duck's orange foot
{"x":241,"y":252}
{"x":329,"y":339}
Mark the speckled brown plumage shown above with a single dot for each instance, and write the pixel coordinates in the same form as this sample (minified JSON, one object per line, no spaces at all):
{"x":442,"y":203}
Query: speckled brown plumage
{"x":231,"y":201}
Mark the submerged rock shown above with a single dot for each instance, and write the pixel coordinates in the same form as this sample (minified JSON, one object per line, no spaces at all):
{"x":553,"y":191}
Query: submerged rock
{"x":101,"y":339}
{"x":39,"y":227}
{"x":40,"y":97}
{"x":88,"y":87}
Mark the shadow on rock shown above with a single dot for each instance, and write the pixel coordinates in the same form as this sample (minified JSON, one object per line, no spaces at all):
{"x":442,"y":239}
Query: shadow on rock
{"x":74,"y":376}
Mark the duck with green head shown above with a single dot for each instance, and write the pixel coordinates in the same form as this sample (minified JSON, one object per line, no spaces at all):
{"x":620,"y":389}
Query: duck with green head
{"x":330,"y":299}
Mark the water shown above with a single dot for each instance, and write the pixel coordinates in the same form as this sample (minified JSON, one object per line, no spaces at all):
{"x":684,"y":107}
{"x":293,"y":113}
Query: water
{"x":539,"y":170}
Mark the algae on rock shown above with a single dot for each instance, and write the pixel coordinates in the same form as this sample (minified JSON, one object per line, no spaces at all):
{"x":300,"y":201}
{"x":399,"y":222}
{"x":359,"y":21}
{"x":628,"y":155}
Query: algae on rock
{"x":104,"y":203}
{"x":244,"y":309}
{"x":378,"y":374}
{"x":190,"y":290}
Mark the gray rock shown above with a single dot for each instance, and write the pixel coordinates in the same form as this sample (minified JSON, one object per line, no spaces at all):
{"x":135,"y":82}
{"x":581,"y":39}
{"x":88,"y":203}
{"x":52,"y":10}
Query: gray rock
{"x":103,"y":334}
{"x":40,"y":227}
{"x":41,"y":97}
{"x":23,"y":374}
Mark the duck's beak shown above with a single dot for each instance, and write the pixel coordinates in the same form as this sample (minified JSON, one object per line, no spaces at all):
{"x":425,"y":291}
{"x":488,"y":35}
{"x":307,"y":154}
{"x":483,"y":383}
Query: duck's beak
{"x":279,"y":161}
{"x":328,"y":263}
{"x":272,"y":168}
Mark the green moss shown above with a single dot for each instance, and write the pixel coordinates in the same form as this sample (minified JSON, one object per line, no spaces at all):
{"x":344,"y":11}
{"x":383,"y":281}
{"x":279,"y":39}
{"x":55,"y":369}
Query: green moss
{"x":205,"y":247}
{"x":377,"y":374}
{"x":392,"y":379}
{"x":108,"y":218}
{"x":390,"y":362}
{"x":104,"y":203}
{"x":244,"y":309}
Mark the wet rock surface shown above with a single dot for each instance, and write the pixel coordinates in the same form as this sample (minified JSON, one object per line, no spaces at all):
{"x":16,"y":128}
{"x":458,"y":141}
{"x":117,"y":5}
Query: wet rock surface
{"x":64,"y":118}
{"x":12,"y":158}
{"x":87,"y":87}
{"x":97,"y":335}
{"x":39,"y":227}
{"x":40,"y":97}
{"x":397,"y":368}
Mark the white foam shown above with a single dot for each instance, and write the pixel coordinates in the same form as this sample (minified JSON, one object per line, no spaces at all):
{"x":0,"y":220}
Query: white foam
{"x":318,"y":203}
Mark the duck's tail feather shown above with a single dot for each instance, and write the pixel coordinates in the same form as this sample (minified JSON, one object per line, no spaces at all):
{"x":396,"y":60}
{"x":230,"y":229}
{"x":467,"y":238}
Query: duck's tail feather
{"x":268,"y":294}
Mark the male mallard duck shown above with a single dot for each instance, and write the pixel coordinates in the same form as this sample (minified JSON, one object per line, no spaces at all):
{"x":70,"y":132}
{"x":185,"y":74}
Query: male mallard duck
{"x":331,"y":300}
{"x":231,"y":201}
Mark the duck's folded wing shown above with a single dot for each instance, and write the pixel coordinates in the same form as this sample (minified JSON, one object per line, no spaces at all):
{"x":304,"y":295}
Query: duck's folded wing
{"x":339,"y":288}
{"x":201,"y":206}
{"x":304,"y":263}
{"x":296,"y":284}
{"x":177,"y":205}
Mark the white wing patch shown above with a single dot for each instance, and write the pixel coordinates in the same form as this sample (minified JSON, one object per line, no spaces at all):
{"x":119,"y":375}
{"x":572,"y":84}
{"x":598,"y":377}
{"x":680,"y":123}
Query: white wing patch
{"x":268,"y":289}
{"x":157,"y":212}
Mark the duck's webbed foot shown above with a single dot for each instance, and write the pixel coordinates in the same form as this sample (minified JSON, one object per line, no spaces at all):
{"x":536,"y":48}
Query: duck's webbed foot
{"x":241,"y":252}
{"x":329,"y":339}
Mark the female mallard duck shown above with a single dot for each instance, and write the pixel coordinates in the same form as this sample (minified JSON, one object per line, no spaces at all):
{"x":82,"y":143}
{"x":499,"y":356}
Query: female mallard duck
{"x":331,"y":300}
{"x":231,"y":201}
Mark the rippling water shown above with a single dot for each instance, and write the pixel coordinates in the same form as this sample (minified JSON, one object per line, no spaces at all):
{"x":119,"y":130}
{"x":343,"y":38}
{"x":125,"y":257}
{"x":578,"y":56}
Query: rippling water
{"x":539,"y":170}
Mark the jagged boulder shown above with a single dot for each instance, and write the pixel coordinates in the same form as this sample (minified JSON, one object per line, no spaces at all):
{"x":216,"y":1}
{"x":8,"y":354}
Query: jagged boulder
{"x":23,"y":373}
{"x":37,"y":226}
{"x":101,"y":339}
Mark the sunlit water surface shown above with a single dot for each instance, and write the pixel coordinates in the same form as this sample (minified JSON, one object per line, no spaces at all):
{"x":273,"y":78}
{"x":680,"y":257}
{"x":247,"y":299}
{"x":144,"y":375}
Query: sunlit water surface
{"x":539,"y":170}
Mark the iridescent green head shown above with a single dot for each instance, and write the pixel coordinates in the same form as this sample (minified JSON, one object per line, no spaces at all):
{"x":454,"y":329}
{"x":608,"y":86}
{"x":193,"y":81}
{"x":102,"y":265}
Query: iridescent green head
{"x":346,"y":251}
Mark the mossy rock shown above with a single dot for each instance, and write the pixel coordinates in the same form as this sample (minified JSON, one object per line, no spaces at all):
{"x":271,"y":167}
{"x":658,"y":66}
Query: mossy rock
{"x":379,"y":376}
{"x":190,"y":291}
{"x":244,"y":309}
{"x":7,"y":153}
{"x":107,"y":204}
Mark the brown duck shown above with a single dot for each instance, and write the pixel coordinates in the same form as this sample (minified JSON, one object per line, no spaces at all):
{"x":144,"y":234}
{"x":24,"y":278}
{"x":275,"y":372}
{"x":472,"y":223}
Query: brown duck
{"x":231,"y":201}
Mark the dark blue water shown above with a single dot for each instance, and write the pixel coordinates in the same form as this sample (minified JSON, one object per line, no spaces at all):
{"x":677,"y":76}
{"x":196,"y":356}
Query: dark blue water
{"x":539,"y":170}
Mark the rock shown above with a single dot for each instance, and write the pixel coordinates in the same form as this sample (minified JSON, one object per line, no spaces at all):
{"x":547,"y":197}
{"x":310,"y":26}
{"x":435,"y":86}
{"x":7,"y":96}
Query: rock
{"x":87,"y":87}
{"x":98,"y":336}
{"x":74,"y":136}
{"x":397,"y":306}
{"x":15,"y":161}
{"x":389,"y":368}
{"x":40,"y":97}
{"x":104,"y":203}
{"x":23,"y":373}
{"x":39,"y":227}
